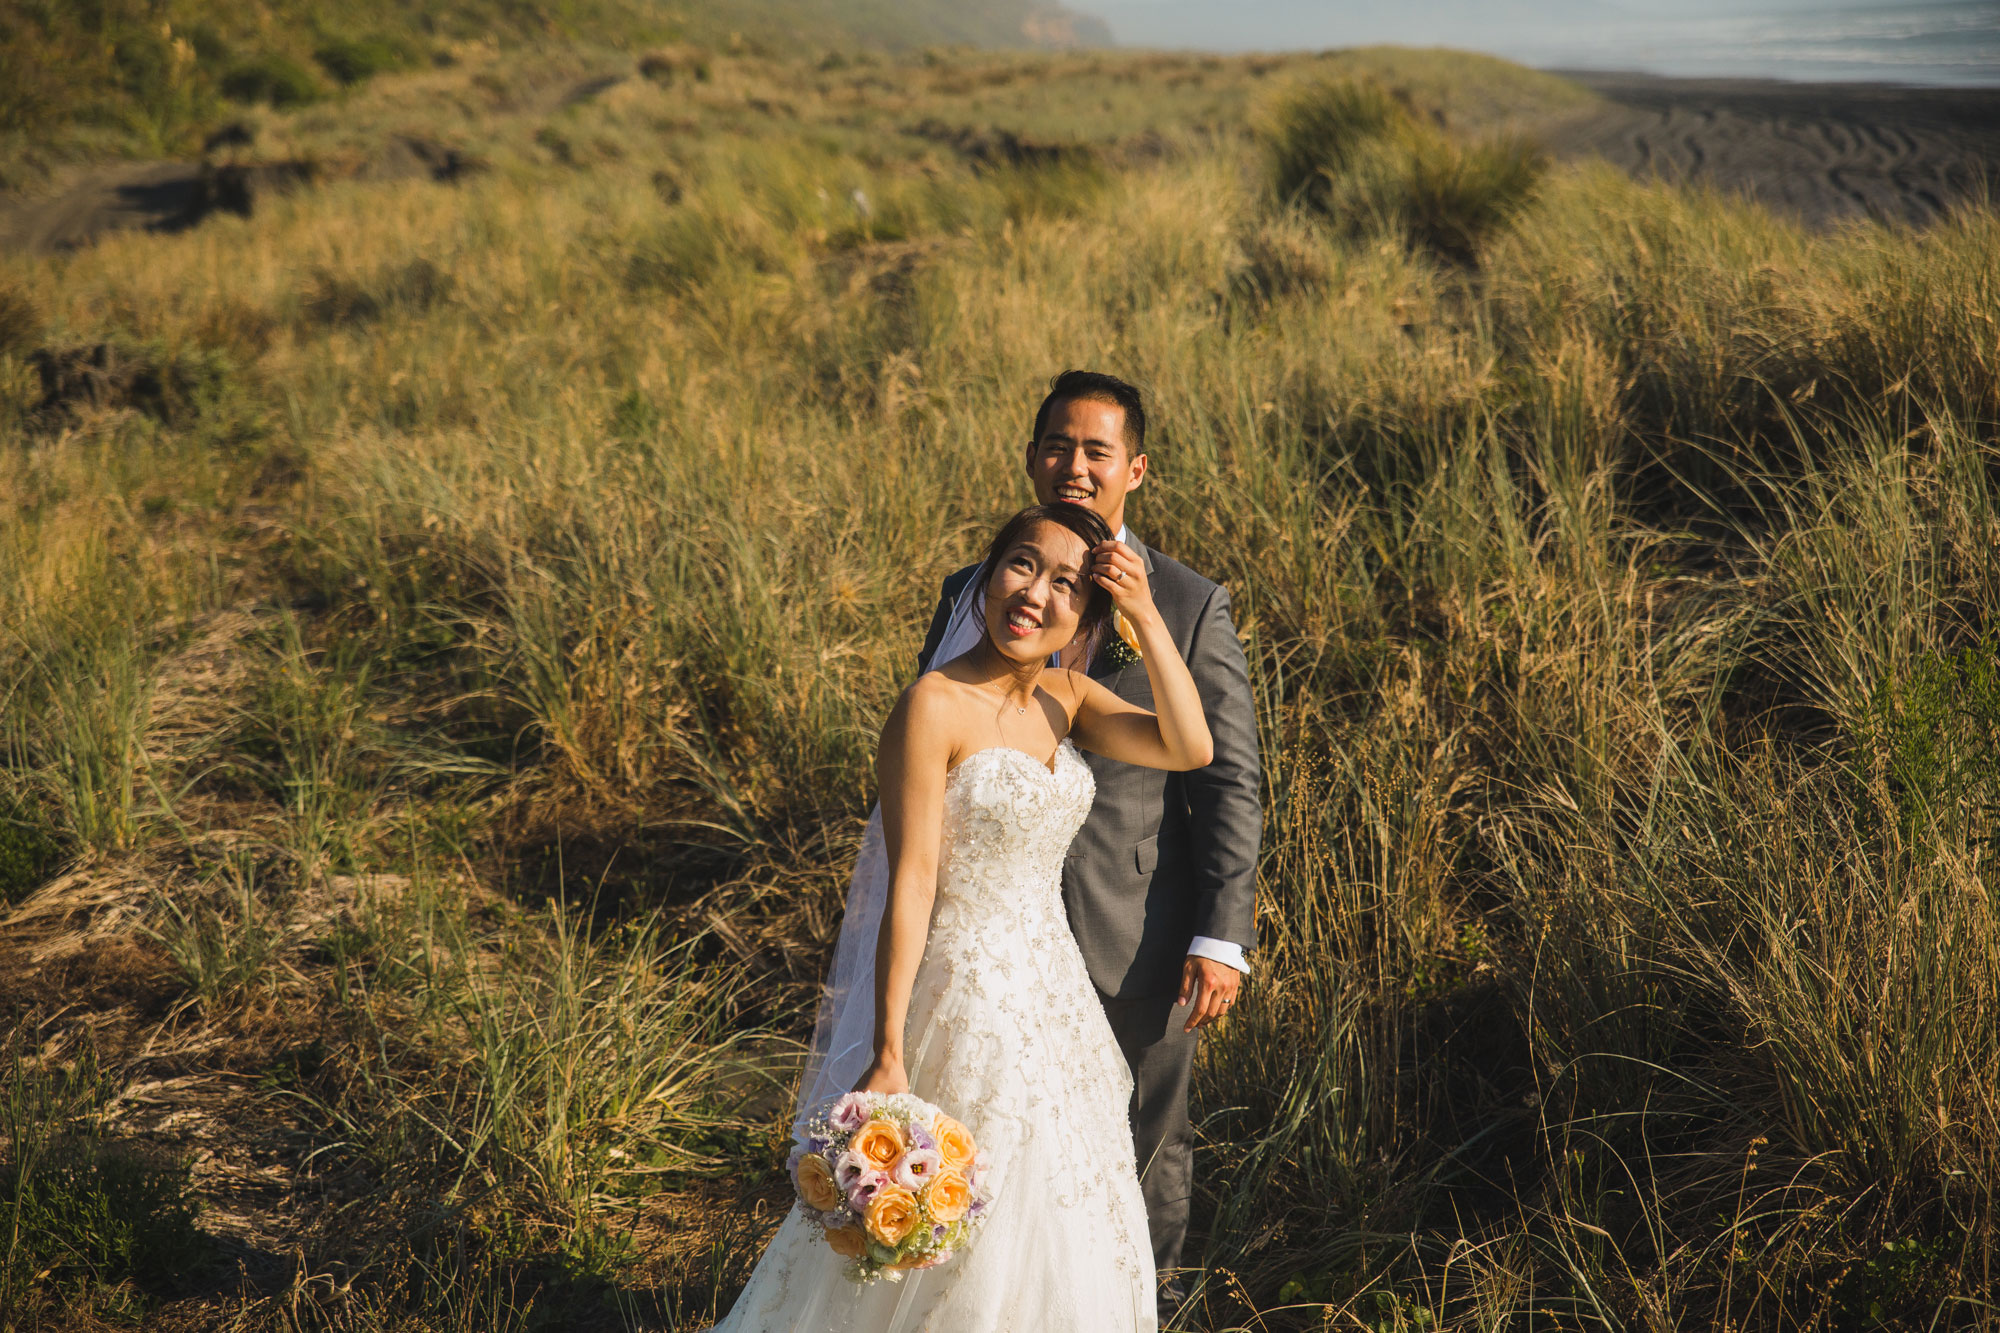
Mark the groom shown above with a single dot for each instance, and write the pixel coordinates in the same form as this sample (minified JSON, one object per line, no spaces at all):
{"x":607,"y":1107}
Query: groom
{"x":1161,"y":882}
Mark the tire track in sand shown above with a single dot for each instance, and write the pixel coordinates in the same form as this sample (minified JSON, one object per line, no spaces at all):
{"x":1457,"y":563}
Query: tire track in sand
{"x":1820,"y":152}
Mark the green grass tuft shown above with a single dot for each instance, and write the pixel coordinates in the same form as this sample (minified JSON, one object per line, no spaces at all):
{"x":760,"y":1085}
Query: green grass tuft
{"x":84,"y":1212}
{"x":273,"y":80}
{"x":349,"y":61}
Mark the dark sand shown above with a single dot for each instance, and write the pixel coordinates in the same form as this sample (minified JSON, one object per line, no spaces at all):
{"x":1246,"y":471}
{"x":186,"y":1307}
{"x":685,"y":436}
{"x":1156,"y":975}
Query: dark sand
{"x":1822,"y":152}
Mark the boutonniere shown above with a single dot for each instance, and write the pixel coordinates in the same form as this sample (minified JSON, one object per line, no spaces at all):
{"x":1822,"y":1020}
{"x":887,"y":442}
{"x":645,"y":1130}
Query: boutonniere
{"x":1123,"y":650}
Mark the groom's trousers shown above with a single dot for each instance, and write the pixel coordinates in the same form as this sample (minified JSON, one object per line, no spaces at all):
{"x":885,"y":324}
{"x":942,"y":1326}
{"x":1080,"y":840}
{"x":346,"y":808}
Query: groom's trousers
{"x":1161,"y":1055}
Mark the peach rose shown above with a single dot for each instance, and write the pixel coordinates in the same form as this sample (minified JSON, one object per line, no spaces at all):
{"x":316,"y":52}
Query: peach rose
{"x":954,"y":1143}
{"x":878,"y":1143}
{"x":892,"y":1215}
{"x":948,"y":1196}
{"x":847,"y":1242}
{"x":816,"y":1185}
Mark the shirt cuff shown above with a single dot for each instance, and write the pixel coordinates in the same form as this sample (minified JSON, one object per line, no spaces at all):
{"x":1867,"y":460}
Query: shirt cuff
{"x":1220,"y":951}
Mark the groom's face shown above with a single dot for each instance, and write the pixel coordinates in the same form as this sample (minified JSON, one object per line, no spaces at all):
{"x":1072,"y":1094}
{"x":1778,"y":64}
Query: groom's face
{"x":1082,"y":458}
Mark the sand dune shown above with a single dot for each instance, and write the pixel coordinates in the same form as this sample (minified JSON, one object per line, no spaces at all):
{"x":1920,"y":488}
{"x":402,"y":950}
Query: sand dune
{"x":1823,"y":152}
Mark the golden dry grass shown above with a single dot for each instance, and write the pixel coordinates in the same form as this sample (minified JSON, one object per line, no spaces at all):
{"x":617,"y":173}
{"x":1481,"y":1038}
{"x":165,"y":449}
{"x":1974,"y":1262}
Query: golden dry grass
{"x":476,"y":674}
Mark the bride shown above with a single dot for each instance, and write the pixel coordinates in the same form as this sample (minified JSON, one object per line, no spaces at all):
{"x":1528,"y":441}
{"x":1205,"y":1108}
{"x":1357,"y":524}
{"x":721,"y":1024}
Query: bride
{"x":973,"y":994}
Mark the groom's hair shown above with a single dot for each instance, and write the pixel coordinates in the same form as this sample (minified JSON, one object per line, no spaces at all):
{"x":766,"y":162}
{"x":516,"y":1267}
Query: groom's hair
{"x":1090,"y":528}
{"x":1091,"y":386}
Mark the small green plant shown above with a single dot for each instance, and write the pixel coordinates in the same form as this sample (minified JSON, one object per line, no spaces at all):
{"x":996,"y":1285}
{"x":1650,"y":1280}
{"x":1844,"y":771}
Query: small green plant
{"x":1901,"y":1281}
{"x":85,"y":746}
{"x":84,"y":1210}
{"x":28,"y":847}
{"x":223,"y":946}
{"x":351,"y":60}
{"x":1934,"y":736}
{"x":272,"y":79}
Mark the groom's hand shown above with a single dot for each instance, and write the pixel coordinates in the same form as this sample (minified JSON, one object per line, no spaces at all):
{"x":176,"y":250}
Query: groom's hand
{"x":1212,"y":986}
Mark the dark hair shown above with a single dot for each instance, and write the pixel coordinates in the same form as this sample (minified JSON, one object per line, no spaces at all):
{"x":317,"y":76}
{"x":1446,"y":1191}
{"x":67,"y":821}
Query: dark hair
{"x":1089,"y":527}
{"x":1091,"y":386}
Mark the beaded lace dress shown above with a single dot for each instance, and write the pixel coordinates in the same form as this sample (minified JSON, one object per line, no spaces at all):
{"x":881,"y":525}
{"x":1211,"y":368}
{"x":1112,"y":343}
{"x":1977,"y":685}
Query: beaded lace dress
{"x":1006,"y":1034}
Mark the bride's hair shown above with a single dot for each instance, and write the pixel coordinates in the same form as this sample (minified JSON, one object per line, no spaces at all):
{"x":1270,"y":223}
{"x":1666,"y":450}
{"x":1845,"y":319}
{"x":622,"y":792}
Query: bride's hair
{"x":1089,"y":527}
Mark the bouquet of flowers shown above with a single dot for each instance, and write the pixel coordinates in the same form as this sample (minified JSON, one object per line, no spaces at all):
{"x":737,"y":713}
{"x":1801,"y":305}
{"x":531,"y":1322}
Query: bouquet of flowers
{"x":892,"y":1182}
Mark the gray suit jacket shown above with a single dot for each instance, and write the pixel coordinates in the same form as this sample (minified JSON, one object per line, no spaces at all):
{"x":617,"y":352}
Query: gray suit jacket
{"x":1164,"y":857}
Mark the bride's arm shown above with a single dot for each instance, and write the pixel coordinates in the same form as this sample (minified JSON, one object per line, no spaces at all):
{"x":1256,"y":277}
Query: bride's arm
{"x":914,"y":755}
{"x":1176,"y":736}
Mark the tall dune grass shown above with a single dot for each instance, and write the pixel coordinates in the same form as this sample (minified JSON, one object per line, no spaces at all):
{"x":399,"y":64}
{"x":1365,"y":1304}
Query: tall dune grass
{"x":1621,"y":620}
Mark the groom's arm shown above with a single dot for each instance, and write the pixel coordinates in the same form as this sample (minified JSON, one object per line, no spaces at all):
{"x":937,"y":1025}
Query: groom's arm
{"x":1225,"y":806}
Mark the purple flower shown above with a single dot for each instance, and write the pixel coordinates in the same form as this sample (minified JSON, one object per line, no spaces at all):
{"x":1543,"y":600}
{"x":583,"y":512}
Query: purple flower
{"x":849,"y":1113}
{"x":818,"y":1143}
{"x":977,"y":1207}
{"x":921,"y":1137}
{"x":842,"y":1216}
{"x":917,"y":1167}
{"x":864,"y":1190}
{"x":937,"y":1232}
{"x":849,"y":1168}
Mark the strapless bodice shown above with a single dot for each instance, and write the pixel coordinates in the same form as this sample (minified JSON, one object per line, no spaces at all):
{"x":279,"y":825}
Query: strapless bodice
{"x":1008,"y":820}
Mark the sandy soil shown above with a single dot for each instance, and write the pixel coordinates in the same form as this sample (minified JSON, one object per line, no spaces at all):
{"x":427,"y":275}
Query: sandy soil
{"x":1823,"y":152}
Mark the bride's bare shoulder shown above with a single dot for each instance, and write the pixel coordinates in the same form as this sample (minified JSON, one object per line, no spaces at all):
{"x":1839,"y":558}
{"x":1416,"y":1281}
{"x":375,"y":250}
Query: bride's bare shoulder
{"x":929,"y":701}
{"x":922,"y":729}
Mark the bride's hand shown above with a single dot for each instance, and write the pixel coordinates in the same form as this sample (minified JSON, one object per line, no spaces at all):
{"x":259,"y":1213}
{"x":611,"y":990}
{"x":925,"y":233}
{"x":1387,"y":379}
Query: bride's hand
{"x":886,"y":1076}
{"x":1120,"y":572}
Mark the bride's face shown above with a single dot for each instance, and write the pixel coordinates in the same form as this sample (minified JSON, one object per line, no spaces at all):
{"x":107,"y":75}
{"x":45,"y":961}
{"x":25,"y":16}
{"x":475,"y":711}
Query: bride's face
{"x":1036,"y":596}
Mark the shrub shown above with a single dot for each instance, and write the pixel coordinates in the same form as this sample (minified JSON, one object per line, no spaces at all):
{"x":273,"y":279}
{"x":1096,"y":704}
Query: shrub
{"x":1353,"y":152}
{"x":274,"y":80}
{"x":1314,"y":133}
{"x":1446,"y":198}
{"x":350,"y":62}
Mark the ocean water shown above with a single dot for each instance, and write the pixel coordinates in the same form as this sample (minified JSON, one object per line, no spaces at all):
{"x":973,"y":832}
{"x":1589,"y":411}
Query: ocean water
{"x":1918,"y":43}
{"x":1926,"y":42}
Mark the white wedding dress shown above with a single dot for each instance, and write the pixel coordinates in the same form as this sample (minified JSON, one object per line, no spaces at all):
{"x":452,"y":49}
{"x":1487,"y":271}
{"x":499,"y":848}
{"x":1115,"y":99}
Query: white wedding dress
{"x":1006,"y":1034}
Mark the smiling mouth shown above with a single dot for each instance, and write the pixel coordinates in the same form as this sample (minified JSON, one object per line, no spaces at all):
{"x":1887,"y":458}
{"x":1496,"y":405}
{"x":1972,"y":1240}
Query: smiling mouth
{"x":1021,"y":624}
{"x":1074,"y":494}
